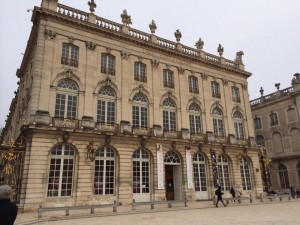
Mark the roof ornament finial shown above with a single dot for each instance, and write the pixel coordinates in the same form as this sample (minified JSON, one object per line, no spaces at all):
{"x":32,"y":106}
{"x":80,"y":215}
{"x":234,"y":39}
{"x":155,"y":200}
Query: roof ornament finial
{"x":126,"y":19}
{"x":261,"y":91}
{"x":220,"y":50}
{"x":178,"y":35}
{"x":199,"y":44}
{"x":152,"y":27}
{"x":92,"y":6}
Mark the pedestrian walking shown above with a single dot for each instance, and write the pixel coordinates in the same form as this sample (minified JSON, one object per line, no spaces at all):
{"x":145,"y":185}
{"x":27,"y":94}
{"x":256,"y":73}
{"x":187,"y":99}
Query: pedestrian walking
{"x":8,"y":209}
{"x":293,"y":193}
{"x":219,"y":194}
{"x":298,"y":192}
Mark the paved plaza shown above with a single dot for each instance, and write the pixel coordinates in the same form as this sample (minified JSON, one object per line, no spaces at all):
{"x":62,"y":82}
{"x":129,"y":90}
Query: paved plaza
{"x":199,"y":213}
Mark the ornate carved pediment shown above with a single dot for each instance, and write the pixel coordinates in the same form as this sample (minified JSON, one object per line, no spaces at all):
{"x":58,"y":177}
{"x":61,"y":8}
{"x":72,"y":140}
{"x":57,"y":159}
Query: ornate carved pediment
{"x":68,"y":73}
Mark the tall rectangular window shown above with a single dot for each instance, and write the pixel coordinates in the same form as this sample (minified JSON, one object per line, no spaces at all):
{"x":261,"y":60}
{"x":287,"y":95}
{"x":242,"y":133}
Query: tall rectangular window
{"x":218,"y":127}
{"x":140,"y":72}
{"x":235,"y":94}
{"x":215,"y":89}
{"x":193,"y":84}
{"x":108,"y":64}
{"x":273,"y":119}
{"x":168,"y":78}
{"x":70,"y":55}
{"x":257,"y":123}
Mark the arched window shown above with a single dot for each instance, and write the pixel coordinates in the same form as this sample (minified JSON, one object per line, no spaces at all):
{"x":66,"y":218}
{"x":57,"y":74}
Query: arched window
{"x":195,"y":119}
{"x":223,"y":173}
{"x":140,"y":110}
{"x":218,"y":122}
{"x":283,"y":176}
{"x":106,"y":106}
{"x":141,"y":171}
{"x":66,"y":99}
{"x":238,"y":125}
{"x":61,"y":171}
{"x":260,"y":140}
{"x":295,"y":134}
{"x":169,"y":115}
{"x":245,"y":174}
{"x":104,"y":175}
{"x":172,"y":157}
{"x":199,"y":172}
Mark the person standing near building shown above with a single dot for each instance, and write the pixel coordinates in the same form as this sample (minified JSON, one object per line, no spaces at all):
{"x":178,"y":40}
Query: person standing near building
{"x":293,"y":193}
{"x":219,"y":194}
{"x":298,"y":192}
{"x":8,"y":209}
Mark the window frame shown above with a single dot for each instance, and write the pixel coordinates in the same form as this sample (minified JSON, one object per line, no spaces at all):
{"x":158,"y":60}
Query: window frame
{"x":215,"y":89}
{"x":257,"y":123}
{"x":66,"y":100}
{"x":235,"y":93}
{"x":224,"y":172}
{"x":60,"y":160}
{"x":108,"y":162}
{"x":140,"y":111}
{"x":245,"y":170}
{"x":168,"y":78}
{"x":195,"y":119}
{"x":273,"y":119}
{"x":193,"y":84}
{"x":218,"y":122}
{"x":141,"y":168}
{"x":140,"y":72}
{"x":283,"y":176}
{"x":108,"y":64}
{"x":169,"y":115}
{"x":70,"y":54}
{"x":199,"y":172}
{"x":110,"y":105}
{"x":239,"y":125}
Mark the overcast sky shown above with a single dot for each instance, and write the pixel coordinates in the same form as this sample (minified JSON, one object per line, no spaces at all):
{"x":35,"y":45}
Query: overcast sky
{"x":267,"y":31}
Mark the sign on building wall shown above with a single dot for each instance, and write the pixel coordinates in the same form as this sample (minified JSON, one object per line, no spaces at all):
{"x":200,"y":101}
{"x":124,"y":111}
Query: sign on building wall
{"x":160,"y":167}
{"x":189,"y":167}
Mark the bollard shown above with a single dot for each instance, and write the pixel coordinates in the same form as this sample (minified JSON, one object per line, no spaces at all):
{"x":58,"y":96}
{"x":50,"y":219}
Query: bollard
{"x":115,"y":206}
{"x":92,"y":210}
{"x":185,"y":202}
{"x":169,"y":205}
{"x":280,"y":198}
{"x":133,"y":204}
{"x":67,"y":212}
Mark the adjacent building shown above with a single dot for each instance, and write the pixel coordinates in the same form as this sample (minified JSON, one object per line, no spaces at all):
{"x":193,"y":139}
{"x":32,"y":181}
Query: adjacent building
{"x":109,"y":113}
{"x":277,"y":128}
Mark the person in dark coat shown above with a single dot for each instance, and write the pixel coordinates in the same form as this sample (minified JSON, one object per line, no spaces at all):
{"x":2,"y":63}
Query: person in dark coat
{"x":293,"y":193}
{"x":219,"y":194}
{"x":8,"y":209}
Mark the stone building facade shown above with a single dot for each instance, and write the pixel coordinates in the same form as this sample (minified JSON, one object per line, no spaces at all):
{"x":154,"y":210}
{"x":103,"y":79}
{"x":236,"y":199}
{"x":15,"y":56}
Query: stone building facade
{"x":277,"y":127}
{"x":107,"y":112}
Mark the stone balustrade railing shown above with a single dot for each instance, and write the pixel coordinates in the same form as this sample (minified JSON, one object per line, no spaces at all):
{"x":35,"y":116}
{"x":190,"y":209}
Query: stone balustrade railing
{"x":139,"y":35}
{"x":272,"y":96}
{"x":166,"y":44}
{"x":71,"y":12}
{"x":107,"y":24}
